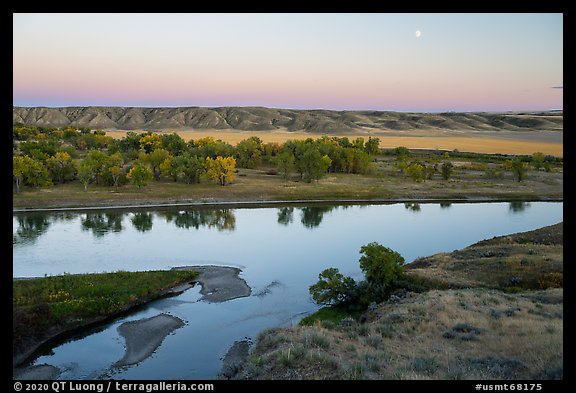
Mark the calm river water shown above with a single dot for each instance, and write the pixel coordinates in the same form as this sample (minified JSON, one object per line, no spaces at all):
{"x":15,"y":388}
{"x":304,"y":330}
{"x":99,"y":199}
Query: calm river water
{"x":280,"y":250}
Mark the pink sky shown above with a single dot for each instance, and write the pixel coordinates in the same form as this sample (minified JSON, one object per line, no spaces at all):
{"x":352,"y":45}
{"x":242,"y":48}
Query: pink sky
{"x":291,"y":61}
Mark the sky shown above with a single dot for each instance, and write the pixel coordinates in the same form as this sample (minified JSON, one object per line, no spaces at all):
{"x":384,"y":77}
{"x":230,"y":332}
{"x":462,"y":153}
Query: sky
{"x":344,"y":61}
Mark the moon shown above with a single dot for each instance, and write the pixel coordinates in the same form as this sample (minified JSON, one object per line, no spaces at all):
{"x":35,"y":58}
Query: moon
{"x":417,"y":34}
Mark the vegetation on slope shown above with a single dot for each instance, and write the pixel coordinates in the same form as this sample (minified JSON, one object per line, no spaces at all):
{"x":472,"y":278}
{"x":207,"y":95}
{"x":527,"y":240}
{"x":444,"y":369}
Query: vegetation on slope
{"x":46,"y":306}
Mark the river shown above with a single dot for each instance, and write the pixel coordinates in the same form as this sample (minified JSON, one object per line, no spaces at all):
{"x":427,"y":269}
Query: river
{"x":280,"y":250}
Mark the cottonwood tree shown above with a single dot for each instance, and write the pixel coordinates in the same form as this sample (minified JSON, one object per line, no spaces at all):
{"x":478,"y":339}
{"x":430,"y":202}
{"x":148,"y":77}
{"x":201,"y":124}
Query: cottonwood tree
{"x":139,"y":175}
{"x":156,"y":158}
{"x":249,"y":152}
{"x":61,"y":167}
{"x":150,"y":142}
{"x":221,"y":169}
{"x":372,"y":146}
{"x":285,"y":163}
{"x":189,"y":167}
{"x":312,"y":165}
{"x":86,"y":172}
{"x":29,"y":171}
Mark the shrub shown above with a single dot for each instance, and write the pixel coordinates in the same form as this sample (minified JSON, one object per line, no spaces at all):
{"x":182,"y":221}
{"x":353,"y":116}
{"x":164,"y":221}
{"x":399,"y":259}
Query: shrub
{"x":332,"y":287}
{"x":551,"y":280}
{"x":447,"y":170}
{"x":380,"y":264}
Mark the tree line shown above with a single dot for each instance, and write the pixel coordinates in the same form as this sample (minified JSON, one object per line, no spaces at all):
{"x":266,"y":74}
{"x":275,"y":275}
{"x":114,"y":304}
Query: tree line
{"x":44,"y":156}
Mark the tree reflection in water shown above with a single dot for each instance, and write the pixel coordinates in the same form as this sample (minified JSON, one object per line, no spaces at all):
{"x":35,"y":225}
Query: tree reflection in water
{"x":102,"y":223}
{"x":221,"y":219}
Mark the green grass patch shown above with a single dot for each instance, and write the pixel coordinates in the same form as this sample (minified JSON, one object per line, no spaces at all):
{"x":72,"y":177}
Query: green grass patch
{"x":328,"y":316}
{"x":56,"y":303}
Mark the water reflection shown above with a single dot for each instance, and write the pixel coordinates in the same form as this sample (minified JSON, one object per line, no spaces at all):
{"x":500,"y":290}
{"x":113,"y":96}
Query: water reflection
{"x":285,"y":215}
{"x":518,"y":206}
{"x":312,"y":215}
{"x":142,"y":221}
{"x":221,"y":219}
{"x":30,"y":227}
{"x":102,"y":223}
{"x":412,"y":206}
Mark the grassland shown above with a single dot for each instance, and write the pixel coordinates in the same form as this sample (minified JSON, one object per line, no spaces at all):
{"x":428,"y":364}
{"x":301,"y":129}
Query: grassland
{"x":501,"y":317}
{"x":45,"y":307}
{"x":472,"y":180}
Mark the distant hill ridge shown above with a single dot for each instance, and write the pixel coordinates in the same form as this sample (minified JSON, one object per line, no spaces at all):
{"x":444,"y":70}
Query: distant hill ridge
{"x":268,"y":119}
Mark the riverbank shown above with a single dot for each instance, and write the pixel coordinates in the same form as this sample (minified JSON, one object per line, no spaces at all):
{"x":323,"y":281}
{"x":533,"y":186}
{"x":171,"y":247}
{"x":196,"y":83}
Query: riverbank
{"x":256,"y":187}
{"x":219,"y":284}
{"x":499,"y":317}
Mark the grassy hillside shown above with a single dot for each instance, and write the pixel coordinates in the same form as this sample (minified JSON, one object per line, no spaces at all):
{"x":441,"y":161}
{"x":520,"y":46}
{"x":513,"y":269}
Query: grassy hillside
{"x":489,"y":326}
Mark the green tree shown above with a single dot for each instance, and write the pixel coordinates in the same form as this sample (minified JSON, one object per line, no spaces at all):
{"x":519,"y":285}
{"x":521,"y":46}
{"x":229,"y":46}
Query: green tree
{"x":221,"y":169}
{"x":359,"y":143}
{"x":285,"y":163}
{"x":29,"y":171}
{"x":116,"y":173}
{"x":372,"y":146}
{"x":61,"y":167}
{"x":519,"y":169}
{"x":18,"y":170}
{"x":356,"y":161}
{"x":312,"y":165}
{"x":380,"y":264}
{"x":156,"y":158}
{"x":332,"y":288}
{"x":447,"y":169}
{"x":189,"y":167}
{"x":86,"y":172}
{"x":114,"y":169}
{"x":249,"y":152}
{"x":174,"y":144}
{"x":99,"y":161}
{"x":139,"y":175}
{"x":538,"y":160}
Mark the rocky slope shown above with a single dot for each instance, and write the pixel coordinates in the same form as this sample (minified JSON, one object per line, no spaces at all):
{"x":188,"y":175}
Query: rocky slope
{"x":268,"y":119}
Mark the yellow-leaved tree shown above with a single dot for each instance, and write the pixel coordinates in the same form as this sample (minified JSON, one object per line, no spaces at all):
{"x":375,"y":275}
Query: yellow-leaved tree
{"x":221,"y":169}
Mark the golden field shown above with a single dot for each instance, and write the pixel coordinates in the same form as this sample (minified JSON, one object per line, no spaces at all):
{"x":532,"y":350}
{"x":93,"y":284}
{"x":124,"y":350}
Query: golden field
{"x":412,"y":140}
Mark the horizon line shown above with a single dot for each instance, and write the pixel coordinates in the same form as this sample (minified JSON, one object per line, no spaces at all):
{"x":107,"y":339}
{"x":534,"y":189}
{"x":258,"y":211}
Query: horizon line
{"x":296,"y":109}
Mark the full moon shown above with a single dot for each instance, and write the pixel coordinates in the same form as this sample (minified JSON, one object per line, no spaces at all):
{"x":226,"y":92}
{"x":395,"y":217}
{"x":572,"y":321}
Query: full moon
{"x":418,"y":34}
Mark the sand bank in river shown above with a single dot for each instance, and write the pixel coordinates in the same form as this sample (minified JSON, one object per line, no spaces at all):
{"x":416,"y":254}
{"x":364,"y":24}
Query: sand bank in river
{"x":219,"y":283}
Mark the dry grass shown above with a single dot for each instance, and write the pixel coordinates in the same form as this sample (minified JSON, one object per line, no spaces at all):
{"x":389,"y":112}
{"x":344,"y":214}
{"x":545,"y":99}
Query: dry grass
{"x":384,"y":183}
{"x":451,"y":334}
{"x":529,"y":260}
{"x":439,"y":140}
{"x":472,"y":333}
